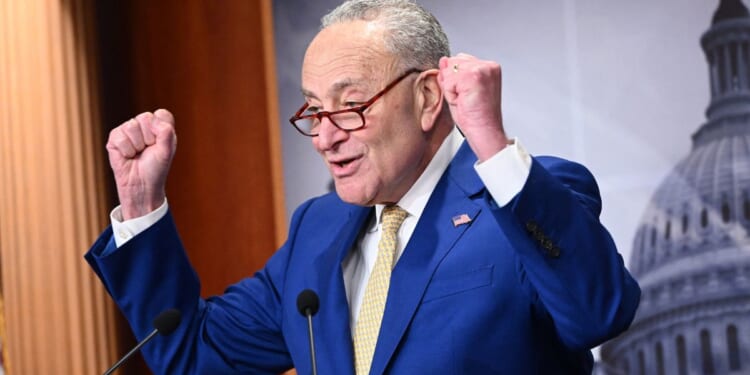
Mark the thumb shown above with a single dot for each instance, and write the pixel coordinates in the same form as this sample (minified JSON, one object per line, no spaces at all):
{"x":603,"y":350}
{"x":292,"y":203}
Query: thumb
{"x":165,"y":138}
{"x":162,"y":125}
{"x":164,"y":115}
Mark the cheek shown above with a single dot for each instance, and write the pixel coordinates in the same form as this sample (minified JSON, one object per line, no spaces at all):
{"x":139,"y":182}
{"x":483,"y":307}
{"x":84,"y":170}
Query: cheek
{"x":385,"y":165}
{"x":393,"y":149}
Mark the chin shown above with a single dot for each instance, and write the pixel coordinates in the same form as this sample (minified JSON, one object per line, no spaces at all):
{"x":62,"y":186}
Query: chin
{"x":356,"y":200}
{"x":352,"y":195}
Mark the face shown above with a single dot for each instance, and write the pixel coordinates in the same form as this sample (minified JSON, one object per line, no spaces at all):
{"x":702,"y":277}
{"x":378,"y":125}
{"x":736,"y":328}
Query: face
{"x":345,"y":65}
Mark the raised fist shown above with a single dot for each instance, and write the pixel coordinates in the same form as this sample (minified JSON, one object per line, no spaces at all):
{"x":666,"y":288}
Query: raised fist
{"x":472,"y":89}
{"x":140,"y":153}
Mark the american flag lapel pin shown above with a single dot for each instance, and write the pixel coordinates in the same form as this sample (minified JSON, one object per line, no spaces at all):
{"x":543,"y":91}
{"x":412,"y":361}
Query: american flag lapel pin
{"x":461,"y":220}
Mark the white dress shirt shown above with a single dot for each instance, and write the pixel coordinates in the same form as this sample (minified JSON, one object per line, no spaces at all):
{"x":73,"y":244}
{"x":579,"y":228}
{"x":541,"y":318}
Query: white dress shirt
{"x":504,"y":175}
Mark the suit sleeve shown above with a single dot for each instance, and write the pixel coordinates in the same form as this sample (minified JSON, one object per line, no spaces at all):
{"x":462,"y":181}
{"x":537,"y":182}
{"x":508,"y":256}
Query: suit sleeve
{"x":237,"y":332}
{"x":567,"y":257}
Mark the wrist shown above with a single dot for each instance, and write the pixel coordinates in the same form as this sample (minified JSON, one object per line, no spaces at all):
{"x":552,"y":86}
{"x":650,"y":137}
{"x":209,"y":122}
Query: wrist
{"x":133,"y":206}
{"x":487,"y":143}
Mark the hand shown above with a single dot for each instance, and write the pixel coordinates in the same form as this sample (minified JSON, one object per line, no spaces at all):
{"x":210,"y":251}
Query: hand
{"x":140,"y":153}
{"x":472,"y":89}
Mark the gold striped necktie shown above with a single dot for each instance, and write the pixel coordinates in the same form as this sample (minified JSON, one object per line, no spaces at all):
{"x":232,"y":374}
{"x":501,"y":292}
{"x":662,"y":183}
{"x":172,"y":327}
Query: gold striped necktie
{"x":373,"y":304}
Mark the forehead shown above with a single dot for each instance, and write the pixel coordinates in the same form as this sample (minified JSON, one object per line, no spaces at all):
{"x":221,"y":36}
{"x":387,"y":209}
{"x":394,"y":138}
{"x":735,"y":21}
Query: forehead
{"x":344,"y":54}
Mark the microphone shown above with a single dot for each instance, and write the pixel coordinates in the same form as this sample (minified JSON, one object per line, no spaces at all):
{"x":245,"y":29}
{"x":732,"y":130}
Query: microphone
{"x":308,"y":304}
{"x":164,"y":324}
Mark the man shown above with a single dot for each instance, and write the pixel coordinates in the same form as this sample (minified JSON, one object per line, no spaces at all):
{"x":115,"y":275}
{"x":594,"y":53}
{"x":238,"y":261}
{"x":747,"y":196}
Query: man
{"x":436,"y":255}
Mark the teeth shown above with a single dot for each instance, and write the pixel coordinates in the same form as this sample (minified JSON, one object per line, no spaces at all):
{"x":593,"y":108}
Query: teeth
{"x":343,"y":162}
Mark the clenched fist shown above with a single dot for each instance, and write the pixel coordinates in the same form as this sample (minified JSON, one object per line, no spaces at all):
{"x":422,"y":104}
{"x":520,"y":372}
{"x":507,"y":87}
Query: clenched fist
{"x":140,"y":153}
{"x":472,"y":89}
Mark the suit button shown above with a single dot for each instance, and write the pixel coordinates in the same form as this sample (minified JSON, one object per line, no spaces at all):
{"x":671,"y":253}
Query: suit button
{"x":554,"y":252}
{"x":532,"y":227}
{"x":547,"y":244}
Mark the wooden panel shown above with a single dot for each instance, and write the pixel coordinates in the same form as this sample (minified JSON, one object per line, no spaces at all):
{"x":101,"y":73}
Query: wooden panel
{"x":209,"y":65}
{"x":51,"y":202}
{"x":212,"y":65}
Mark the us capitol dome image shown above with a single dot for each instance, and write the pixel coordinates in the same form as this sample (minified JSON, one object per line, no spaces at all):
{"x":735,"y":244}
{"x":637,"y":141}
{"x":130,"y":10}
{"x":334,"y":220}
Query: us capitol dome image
{"x":691,"y":252}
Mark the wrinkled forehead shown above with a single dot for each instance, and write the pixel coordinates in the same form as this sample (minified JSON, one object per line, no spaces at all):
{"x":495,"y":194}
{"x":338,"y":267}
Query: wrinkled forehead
{"x":346,"y":53}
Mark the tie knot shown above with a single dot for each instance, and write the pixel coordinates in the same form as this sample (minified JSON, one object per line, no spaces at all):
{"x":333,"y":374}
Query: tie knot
{"x":393,"y":216}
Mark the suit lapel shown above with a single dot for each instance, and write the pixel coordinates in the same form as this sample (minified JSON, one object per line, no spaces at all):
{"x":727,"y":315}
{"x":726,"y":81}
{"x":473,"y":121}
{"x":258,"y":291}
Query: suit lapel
{"x":334,"y":312}
{"x":433,"y":237}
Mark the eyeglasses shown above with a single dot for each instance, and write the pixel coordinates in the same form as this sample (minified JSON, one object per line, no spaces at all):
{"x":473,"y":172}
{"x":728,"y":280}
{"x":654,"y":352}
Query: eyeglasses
{"x":307,"y":122}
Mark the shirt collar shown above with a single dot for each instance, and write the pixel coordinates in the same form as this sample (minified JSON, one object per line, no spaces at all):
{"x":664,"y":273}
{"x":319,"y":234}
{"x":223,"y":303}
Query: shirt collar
{"x":415,"y":200}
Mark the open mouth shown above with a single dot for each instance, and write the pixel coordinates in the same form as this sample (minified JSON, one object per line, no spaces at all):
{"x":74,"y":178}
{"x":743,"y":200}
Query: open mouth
{"x":343,"y":167}
{"x":343,"y":163}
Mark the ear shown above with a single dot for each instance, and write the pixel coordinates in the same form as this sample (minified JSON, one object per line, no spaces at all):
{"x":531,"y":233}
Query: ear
{"x":429,"y":99}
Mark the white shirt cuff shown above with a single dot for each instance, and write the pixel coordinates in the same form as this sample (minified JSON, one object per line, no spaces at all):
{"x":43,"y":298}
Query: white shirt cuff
{"x":125,"y":230}
{"x":505,"y":173}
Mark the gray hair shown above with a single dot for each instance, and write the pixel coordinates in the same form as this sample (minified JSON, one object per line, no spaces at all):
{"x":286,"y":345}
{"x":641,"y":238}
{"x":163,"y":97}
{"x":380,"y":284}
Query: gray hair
{"x":411,"y":32}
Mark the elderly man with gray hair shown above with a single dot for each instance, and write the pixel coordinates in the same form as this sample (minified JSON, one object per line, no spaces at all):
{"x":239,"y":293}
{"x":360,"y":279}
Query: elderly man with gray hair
{"x":446,"y":247}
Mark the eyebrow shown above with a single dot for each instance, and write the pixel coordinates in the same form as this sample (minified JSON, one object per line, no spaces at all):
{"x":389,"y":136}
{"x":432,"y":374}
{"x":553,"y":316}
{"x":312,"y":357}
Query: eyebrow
{"x":337,"y":87}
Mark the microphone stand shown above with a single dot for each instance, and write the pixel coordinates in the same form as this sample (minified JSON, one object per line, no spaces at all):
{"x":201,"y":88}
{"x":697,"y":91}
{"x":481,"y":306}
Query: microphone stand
{"x":312,"y":342}
{"x":131,"y":352}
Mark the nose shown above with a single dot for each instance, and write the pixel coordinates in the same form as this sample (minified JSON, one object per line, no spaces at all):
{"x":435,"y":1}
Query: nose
{"x":329,"y":136}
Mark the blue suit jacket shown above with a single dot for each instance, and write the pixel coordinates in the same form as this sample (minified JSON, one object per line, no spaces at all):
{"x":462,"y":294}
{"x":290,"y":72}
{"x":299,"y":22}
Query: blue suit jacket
{"x":526,"y":288}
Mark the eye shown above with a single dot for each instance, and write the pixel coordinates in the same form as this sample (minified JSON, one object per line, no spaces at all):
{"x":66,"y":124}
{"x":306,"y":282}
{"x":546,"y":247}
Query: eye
{"x":352,"y":104}
{"x":311,"y":110}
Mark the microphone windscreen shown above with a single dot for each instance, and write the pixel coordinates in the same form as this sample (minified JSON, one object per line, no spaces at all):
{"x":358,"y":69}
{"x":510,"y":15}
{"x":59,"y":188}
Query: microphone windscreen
{"x":166,"y":322}
{"x":308,"y":300}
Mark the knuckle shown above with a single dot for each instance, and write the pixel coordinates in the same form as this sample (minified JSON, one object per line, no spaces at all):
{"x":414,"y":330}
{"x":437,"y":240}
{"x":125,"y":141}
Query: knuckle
{"x":144,"y":117}
{"x":115,"y":134}
{"x":132,"y":125}
{"x":120,"y":139}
